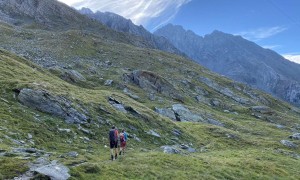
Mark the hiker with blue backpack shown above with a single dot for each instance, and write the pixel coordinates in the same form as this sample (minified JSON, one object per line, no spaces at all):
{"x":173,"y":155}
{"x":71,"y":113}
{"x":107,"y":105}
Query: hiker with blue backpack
{"x":123,"y":140}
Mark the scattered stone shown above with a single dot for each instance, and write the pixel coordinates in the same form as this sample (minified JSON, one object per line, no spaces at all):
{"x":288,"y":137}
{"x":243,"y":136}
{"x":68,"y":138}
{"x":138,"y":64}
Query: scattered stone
{"x":136,"y":138}
{"x":117,"y":105}
{"x":84,"y":130}
{"x":279,"y":126}
{"x":64,"y":130}
{"x":232,"y":136}
{"x":235,"y":113}
{"x":85,"y":139}
{"x":152,"y":96}
{"x":262,"y":109}
{"x":153,"y":133}
{"x":72,"y":154}
{"x":226,"y":111}
{"x":295,"y":136}
{"x":170,"y":150}
{"x":108,"y":82}
{"x":176,"y":132}
{"x":288,"y":143}
{"x":215,"y":122}
{"x":29,"y":136}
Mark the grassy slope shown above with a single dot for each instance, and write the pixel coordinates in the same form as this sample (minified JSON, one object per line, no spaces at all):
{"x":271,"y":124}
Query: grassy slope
{"x":252,"y":155}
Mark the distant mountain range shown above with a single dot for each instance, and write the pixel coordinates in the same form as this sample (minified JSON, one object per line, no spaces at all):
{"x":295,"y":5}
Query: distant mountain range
{"x":239,"y":59}
{"x":122,"y":24}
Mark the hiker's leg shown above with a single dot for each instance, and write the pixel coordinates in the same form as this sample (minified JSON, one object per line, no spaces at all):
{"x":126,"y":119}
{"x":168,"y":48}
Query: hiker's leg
{"x":112,"y":154}
{"x":121,"y":149}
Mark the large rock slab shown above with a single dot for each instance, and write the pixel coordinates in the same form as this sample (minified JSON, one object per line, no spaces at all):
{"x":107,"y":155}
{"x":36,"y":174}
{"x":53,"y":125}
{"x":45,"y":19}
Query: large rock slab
{"x":43,"y":101}
{"x":152,"y":82}
{"x":184,"y":114}
{"x":262,"y":109}
{"x":72,"y":76}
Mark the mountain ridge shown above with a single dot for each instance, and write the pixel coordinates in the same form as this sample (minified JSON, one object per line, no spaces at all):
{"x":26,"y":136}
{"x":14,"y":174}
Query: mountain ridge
{"x":122,"y":24}
{"x":239,"y":59}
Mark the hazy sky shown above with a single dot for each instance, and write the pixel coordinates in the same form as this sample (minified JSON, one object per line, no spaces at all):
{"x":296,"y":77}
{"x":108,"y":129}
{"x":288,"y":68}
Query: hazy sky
{"x":273,"y":24}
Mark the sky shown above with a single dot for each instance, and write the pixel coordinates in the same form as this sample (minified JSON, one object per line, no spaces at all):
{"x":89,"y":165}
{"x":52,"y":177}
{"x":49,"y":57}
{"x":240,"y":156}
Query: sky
{"x":272,"y":24}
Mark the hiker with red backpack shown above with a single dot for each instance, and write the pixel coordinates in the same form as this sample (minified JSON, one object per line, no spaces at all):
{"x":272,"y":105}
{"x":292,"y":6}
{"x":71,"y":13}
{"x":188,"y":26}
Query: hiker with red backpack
{"x":113,"y":141}
{"x":123,"y":140}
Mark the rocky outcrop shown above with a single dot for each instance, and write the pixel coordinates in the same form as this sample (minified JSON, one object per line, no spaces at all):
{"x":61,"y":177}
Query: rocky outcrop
{"x":224,"y":90}
{"x":43,"y":101}
{"x":239,"y":59}
{"x":152,"y":82}
{"x":181,"y":113}
{"x":72,"y":76}
{"x":184,"y":114}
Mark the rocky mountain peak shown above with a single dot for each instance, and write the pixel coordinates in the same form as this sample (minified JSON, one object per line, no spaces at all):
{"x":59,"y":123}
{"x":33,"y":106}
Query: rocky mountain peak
{"x":239,"y":59}
{"x":85,"y":10}
{"x":122,"y":24}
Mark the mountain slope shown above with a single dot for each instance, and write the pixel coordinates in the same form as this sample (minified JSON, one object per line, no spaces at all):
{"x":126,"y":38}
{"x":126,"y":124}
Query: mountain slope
{"x":58,"y":104}
{"x":121,"y":24}
{"x":52,"y":15}
{"x":240,"y":60}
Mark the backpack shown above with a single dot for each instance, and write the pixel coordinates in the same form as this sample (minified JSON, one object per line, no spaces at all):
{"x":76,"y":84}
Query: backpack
{"x":116,"y":135}
{"x":122,"y":138}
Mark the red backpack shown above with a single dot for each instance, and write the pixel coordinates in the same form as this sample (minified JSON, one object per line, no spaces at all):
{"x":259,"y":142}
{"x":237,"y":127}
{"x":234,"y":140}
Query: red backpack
{"x":122,"y":138}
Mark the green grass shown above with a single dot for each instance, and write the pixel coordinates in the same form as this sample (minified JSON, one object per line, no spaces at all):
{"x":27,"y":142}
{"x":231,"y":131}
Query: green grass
{"x":246,"y":148}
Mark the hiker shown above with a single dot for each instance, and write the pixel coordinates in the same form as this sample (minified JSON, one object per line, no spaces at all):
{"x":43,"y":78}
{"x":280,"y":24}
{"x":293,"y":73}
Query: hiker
{"x":123,"y":140}
{"x":113,"y":141}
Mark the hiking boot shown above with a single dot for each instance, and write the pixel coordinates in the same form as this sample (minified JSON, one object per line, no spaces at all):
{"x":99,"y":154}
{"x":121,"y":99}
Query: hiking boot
{"x":112,"y":157}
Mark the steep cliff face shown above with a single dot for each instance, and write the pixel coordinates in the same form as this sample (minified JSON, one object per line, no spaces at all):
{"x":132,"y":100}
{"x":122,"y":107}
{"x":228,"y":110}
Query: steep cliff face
{"x":240,"y":60}
{"x":122,"y":24}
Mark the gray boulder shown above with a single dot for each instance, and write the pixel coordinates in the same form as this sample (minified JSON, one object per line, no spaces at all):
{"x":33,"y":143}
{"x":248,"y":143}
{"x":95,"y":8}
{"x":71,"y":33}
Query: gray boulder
{"x":288,"y":143}
{"x":117,"y":105}
{"x":170,"y":150}
{"x":214,"y":122}
{"x":295,"y":136}
{"x":43,"y":101}
{"x":54,"y":171}
{"x":153,"y":133}
{"x":184,"y":114}
{"x":108,"y":82}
